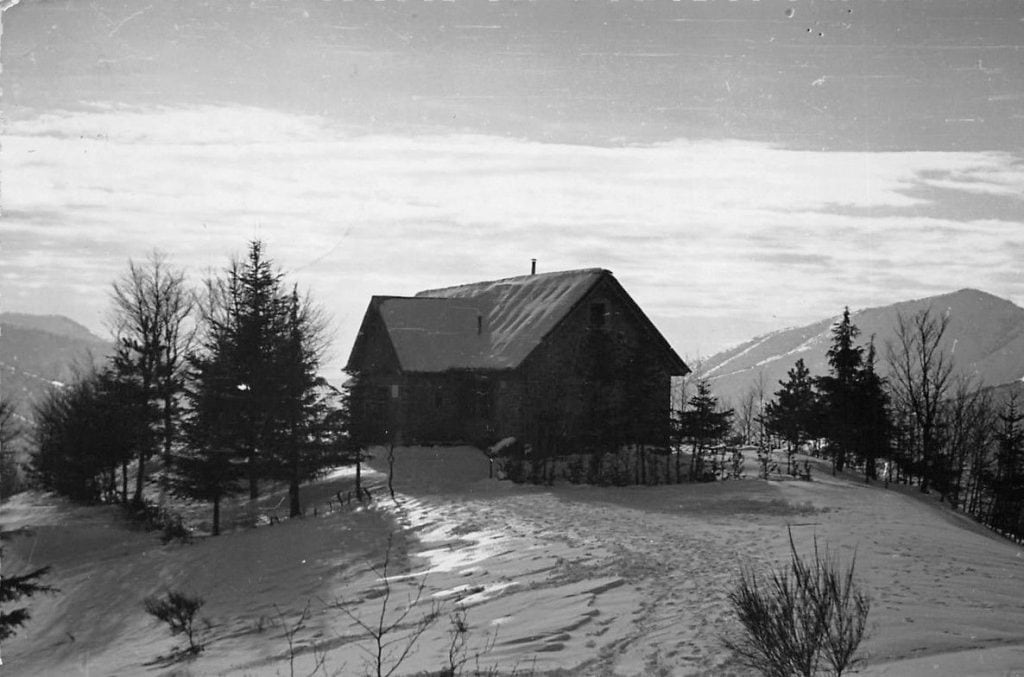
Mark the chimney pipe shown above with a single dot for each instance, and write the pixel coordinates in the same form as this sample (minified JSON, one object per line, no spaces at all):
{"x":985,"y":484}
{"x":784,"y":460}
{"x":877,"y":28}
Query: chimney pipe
{"x":533,"y":266}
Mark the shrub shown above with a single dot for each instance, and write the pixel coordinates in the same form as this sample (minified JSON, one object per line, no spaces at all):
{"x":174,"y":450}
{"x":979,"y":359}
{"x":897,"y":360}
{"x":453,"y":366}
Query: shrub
{"x":178,"y":610}
{"x":802,"y":619}
{"x":151,"y":517}
{"x":735,"y":468}
{"x":766,"y":462}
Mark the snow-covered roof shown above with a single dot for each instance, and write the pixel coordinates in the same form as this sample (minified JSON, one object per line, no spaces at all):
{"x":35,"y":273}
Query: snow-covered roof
{"x":484,"y":325}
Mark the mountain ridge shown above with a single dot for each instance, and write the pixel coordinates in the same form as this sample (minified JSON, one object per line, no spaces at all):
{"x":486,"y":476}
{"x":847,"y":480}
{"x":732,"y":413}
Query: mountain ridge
{"x":58,"y":325}
{"x":985,"y":337}
{"x":39,"y":352}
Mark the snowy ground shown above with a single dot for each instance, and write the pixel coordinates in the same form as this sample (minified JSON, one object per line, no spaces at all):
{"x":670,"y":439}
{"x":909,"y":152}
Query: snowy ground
{"x":582,"y":580}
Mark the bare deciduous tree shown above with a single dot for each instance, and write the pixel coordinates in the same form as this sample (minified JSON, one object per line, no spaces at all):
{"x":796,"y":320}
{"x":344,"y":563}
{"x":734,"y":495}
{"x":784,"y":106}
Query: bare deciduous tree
{"x":971,"y":420}
{"x":291,"y":631}
{"x":152,"y":305}
{"x":393,"y":634}
{"x":746,"y":414}
{"x":760,"y":392}
{"x":921,"y":375}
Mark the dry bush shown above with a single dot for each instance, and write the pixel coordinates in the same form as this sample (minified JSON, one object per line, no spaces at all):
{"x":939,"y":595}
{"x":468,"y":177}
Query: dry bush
{"x":806,"y":618}
{"x":178,"y":610}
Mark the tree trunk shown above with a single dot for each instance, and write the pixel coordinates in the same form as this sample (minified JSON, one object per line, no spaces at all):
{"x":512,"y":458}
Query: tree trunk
{"x":139,"y":478}
{"x":143,"y":452}
{"x":294,"y":507}
{"x":215,"y":530}
{"x":168,"y":439}
{"x":124,"y":482}
{"x":254,"y":480}
{"x":359,"y":474}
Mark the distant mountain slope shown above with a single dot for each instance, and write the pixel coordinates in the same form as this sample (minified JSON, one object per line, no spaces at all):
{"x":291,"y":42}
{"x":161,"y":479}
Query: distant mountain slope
{"x":985,"y":337}
{"x":40,"y":351}
{"x":52,"y":324}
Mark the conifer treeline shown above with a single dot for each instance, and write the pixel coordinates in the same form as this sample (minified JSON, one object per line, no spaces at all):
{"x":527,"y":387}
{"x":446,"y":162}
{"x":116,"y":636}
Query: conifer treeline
{"x":923,"y":424}
{"x":221,"y":386}
{"x":848,"y":408}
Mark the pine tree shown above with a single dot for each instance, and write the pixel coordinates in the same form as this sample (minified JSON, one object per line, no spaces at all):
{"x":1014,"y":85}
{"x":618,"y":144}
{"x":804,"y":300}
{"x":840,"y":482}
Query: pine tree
{"x":791,"y":415}
{"x":209,"y":473}
{"x":13,"y":589}
{"x":9,"y":428}
{"x":211,"y":465}
{"x":257,"y":403}
{"x":1007,"y":485}
{"x":874,"y":425}
{"x":10,"y":432}
{"x":259,"y":323}
{"x":85,"y":431}
{"x":703,"y":425}
{"x":840,"y":391}
{"x":303,"y":444}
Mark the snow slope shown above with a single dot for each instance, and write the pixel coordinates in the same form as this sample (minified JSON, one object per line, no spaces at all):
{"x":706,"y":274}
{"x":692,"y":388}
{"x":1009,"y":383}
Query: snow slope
{"x":586,"y":580}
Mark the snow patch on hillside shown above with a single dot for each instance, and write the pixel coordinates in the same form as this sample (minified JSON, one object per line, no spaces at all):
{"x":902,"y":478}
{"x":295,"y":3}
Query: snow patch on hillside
{"x":802,"y":348}
{"x":753,"y":346}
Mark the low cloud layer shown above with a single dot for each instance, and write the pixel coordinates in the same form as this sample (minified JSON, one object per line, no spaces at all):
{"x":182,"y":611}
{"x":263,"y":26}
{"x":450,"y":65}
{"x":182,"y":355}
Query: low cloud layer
{"x":719,"y":229}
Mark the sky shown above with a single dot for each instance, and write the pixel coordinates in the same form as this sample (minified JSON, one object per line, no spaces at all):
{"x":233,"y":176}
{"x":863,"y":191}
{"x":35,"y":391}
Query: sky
{"x":741,"y":166}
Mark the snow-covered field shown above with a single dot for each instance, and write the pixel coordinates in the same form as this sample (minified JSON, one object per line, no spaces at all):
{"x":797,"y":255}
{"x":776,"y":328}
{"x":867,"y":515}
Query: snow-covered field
{"x":581,"y":580}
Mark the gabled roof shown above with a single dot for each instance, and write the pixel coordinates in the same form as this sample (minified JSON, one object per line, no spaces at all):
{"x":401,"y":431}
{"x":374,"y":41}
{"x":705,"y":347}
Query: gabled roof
{"x":436,"y":334}
{"x":518,"y":312}
{"x":484,"y":325}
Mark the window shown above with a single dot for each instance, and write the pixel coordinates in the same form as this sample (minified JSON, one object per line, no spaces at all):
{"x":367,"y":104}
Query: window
{"x":396,"y":392}
{"x":597,"y":315}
